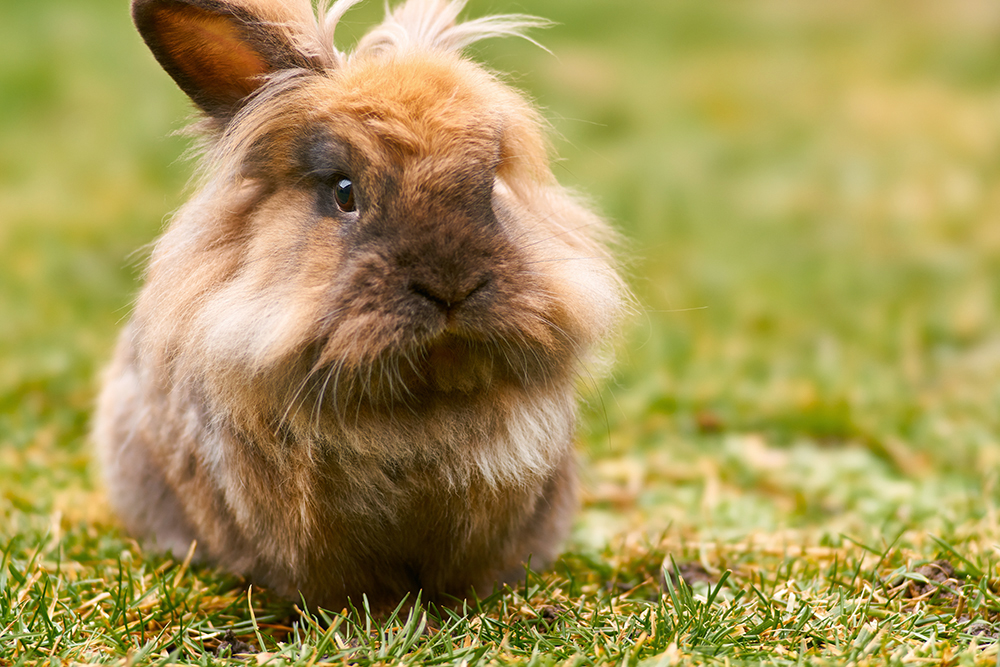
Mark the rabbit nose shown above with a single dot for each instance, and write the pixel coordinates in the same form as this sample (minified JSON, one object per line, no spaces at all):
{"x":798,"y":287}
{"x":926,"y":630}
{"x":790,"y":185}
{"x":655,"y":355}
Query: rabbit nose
{"x":447,"y":296}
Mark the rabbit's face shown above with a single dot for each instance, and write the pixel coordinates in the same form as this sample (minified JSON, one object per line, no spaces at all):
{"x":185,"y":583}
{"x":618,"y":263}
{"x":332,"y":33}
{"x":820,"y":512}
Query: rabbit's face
{"x":394,"y":235}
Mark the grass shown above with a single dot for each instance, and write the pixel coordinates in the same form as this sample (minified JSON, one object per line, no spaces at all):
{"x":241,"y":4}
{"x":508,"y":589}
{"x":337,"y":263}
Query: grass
{"x":804,"y":419}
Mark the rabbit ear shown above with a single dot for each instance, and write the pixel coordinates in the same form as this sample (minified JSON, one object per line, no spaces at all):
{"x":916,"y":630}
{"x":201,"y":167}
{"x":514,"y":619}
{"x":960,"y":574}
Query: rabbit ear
{"x":218,"y":51}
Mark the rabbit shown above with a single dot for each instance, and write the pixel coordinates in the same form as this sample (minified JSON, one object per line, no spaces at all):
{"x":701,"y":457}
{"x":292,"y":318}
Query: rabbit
{"x":353,"y":367}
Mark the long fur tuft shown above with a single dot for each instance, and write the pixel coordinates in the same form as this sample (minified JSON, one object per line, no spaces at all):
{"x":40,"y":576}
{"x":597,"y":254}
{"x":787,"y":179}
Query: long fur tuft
{"x":422,"y":24}
{"x":433,"y":24}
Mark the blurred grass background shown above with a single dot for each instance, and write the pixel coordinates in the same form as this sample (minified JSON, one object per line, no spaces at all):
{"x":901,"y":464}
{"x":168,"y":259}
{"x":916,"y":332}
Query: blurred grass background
{"x":808,"y":196}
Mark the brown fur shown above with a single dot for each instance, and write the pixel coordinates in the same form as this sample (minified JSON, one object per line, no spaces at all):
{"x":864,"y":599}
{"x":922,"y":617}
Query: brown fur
{"x":372,"y":401}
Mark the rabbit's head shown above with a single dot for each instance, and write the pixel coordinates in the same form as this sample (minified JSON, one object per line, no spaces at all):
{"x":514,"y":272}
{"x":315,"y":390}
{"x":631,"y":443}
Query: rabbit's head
{"x":373,"y":231}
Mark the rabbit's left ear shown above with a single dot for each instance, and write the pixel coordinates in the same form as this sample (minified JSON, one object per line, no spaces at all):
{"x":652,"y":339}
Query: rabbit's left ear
{"x":218,"y":51}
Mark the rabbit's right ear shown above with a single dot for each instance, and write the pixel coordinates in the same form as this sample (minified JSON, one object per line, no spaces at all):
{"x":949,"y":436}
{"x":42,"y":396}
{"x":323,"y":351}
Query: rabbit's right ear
{"x":218,"y":51}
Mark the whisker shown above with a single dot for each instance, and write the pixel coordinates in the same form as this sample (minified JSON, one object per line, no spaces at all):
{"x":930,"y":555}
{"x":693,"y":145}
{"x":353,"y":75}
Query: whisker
{"x":563,"y":259}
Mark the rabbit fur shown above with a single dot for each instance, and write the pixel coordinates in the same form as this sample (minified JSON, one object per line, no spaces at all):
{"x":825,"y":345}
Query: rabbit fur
{"x":352,"y":369}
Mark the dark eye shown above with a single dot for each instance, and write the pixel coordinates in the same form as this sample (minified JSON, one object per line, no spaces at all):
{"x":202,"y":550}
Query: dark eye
{"x":343,"y":192}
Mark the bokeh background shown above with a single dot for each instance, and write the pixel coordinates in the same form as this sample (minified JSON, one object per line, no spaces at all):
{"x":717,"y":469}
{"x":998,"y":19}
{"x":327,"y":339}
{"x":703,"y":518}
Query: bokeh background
{"x":808,"y":197}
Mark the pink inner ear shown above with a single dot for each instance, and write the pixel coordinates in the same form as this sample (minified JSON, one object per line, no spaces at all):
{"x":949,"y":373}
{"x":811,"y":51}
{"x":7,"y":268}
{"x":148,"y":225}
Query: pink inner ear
{"x":211,"y":53}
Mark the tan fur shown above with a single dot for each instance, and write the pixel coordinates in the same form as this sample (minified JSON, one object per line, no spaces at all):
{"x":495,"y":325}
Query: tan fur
{"x":342,"y":402}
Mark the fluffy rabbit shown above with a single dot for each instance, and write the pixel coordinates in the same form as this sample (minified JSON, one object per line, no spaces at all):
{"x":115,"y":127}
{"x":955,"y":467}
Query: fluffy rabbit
{"x":352,"y":369}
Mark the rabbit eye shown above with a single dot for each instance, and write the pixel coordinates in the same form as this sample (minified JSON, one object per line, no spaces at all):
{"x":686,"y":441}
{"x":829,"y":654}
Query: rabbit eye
{"x":343,"y":192}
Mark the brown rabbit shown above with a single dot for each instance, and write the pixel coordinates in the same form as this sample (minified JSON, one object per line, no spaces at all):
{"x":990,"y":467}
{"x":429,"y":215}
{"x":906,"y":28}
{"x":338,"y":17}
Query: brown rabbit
{"x":352,"y":369}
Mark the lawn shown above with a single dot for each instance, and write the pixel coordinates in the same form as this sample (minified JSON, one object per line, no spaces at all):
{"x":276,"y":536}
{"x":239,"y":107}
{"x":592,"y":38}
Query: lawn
{"x":796,"y":459}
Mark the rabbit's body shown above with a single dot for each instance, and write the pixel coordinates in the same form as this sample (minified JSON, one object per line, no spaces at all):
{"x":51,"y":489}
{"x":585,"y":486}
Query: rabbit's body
{"x":352,"y":368}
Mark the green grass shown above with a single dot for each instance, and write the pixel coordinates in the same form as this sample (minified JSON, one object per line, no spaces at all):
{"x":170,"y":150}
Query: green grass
{"x":806,"y":411}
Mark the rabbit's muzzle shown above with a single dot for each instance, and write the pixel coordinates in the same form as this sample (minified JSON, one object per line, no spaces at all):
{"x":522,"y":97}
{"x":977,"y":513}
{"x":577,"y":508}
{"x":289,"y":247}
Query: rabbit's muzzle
{"x":448,"y":276}
{"x":433,"y":303}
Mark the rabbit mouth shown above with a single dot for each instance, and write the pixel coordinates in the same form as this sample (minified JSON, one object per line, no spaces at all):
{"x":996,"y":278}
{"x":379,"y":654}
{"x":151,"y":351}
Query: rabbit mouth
{"x":454,"y":364}
{"x":449,"y":364}
{"x":443,"y":368}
